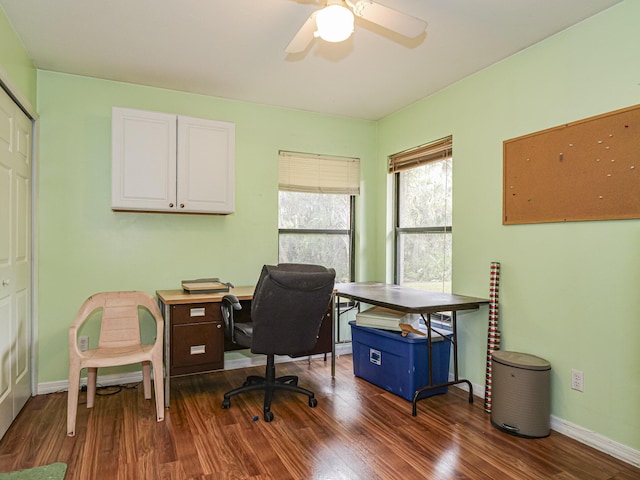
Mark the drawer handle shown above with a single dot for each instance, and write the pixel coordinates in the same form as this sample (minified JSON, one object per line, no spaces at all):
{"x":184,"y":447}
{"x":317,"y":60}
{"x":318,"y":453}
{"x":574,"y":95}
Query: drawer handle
{"x":197,"y":349}
{"x":197,"y":312}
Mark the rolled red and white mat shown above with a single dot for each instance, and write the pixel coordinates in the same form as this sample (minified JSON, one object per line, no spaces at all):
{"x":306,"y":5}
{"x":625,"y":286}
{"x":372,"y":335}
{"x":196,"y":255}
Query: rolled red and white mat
{"x":493,"y":337}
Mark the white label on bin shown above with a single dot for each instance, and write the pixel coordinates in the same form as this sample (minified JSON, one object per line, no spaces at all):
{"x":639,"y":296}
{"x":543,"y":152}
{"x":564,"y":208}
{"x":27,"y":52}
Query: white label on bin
{"x":197,"y":312}
{"x":375,"y":356}
{"x":198,"y":349}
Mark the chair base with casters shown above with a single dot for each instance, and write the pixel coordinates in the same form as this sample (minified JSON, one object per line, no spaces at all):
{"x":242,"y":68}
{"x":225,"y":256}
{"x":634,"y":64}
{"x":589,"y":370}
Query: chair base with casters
{"x":269,"y":383}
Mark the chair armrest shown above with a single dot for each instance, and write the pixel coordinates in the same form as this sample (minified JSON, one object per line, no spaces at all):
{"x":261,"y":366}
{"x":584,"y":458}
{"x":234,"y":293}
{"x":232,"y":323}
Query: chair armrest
{"x":83,"y":313}
{"x":73,"y":341}
{"x":232,"y":300}
{"x":227,"y":306}
{"x":148,"y":302}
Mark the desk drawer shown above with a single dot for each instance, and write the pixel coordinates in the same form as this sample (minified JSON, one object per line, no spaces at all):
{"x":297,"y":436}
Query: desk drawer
{"x":195,"y":313}
{"x":197,"y":348}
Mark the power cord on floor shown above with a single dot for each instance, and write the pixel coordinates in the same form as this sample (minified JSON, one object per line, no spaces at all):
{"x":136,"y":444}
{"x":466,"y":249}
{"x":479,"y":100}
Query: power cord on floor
{"x":110,"y":389}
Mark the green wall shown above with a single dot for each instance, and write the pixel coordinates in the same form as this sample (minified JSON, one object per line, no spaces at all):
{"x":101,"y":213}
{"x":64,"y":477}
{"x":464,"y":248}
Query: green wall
{"x":568,"y":291}
{"x":15,"y":63}
{"x":85,"y":247}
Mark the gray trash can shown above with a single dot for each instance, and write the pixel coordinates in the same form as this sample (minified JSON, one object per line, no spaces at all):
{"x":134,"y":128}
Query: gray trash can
{"x":521,"y":397}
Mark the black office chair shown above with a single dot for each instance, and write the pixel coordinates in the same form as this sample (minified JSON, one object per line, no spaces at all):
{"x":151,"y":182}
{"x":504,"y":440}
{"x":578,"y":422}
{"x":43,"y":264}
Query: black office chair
{"x":288,"y":306}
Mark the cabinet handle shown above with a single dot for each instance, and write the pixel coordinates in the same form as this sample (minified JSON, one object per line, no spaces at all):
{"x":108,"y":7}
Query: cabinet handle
{"x":171,"y":205}
{"x":219,"y":326}
{"x":182,"y":205}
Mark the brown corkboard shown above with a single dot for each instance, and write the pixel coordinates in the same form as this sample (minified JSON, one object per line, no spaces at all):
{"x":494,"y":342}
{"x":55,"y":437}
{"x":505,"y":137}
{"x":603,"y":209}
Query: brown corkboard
{"x":584,"y":170}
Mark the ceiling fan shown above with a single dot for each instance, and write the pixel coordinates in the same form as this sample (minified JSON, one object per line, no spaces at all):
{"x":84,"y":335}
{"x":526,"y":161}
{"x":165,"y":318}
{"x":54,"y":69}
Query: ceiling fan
{"x":334,"y":22}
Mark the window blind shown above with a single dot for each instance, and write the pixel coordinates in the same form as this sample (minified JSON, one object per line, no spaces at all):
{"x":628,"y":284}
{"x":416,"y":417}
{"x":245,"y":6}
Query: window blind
{"x":301,"y":172}
{"x":415,"y":157}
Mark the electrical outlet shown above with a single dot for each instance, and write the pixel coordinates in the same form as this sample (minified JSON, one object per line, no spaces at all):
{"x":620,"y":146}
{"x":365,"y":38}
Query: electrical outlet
{"x":83,"y":343}
{"x":577,"y":380}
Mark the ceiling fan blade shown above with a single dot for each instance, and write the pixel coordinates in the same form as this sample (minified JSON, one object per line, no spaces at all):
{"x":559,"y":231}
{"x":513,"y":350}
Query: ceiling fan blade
{"x":304,"y":36}
{"x":389,"y":18}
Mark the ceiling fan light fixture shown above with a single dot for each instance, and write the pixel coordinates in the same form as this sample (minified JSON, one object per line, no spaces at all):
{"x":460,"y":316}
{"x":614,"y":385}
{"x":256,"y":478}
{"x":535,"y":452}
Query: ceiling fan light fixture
{"x":334,"y":23}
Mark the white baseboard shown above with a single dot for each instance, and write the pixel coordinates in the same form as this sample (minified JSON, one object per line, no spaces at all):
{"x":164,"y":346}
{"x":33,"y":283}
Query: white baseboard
{"x":232,"y":363}
{"x":571,"y":430}
{"x":576,"y":432}
{"x":597,"y":441}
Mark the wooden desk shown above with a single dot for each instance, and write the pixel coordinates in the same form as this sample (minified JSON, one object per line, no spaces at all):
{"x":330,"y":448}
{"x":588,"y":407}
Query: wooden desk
{"x":411,"y":300}
{"x":194,"y":331}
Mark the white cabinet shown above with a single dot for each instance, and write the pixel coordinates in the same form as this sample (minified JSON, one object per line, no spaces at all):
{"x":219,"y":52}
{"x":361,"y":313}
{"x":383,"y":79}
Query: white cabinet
{"x":171,"y":163}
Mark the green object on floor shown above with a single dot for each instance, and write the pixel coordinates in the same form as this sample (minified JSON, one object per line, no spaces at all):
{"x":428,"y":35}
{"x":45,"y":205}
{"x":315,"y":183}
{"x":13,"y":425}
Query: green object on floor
{"x":55,"y":471}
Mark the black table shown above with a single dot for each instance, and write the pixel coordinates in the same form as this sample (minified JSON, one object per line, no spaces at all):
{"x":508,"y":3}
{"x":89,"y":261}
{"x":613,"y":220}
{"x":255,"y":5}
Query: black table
{"x":411,"y":300}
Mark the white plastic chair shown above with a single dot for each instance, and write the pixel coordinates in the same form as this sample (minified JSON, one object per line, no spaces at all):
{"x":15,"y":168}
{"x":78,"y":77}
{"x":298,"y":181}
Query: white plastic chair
{"x":119,"y":344}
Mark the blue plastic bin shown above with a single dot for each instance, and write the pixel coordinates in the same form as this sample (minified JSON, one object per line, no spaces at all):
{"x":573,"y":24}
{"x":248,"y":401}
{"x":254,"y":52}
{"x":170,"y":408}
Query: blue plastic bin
{"x":399,"y":364}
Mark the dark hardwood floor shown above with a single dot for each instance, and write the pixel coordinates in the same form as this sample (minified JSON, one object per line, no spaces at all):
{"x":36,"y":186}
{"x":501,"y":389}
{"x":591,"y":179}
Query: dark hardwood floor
{"x":357,"y":431}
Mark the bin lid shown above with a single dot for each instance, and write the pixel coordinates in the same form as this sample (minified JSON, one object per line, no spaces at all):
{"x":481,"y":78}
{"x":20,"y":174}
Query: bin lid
{"x":437,"y":334}
{"x":521,"y":360}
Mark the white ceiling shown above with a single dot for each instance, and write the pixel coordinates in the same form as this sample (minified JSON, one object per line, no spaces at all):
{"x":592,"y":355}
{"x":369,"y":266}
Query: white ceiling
{"x":235,"y":48}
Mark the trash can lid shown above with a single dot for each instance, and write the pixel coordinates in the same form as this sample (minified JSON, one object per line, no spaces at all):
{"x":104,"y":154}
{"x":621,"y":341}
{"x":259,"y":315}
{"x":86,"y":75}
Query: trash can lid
{"x":521,"y":360}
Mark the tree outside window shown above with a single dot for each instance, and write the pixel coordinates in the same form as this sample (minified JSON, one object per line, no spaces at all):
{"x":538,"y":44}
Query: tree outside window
{"x":423,"y":217}
{"x":316,"y":228}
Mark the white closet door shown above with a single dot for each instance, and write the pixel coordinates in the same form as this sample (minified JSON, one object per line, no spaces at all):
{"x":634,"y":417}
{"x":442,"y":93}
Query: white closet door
{"x":15,"y":260}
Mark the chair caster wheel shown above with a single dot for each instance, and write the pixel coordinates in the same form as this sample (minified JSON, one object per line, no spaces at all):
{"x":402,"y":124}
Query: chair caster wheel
{"x":313,"y":402}
{"x":268,"y":416}
{"x":226,"y":403}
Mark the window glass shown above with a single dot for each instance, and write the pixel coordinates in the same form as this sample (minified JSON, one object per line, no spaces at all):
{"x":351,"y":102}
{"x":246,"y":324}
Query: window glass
{"x":423,"y":226}
{"x":425,"y":261}
{"x":316,"y":228}
{"x":425,"y":195}
{"x":313,"y":211}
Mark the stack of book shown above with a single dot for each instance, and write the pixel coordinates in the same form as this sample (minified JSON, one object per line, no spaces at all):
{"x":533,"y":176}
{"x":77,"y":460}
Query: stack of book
{"x":383,"y":318}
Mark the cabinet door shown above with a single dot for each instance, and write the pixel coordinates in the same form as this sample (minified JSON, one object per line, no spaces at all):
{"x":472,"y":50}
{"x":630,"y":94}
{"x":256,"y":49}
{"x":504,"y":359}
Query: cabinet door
{"x":143,"y":160}
{"x":205,"y":165}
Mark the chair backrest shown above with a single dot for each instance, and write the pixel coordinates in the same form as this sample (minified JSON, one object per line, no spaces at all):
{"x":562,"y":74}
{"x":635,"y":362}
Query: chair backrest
{"x":120,"y":325}
{"x":289,"y":303}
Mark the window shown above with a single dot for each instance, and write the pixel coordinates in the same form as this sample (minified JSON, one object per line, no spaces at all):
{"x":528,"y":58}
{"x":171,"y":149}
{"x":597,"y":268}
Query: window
{"x":423,"y":216}
{"x":316,"y":211}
